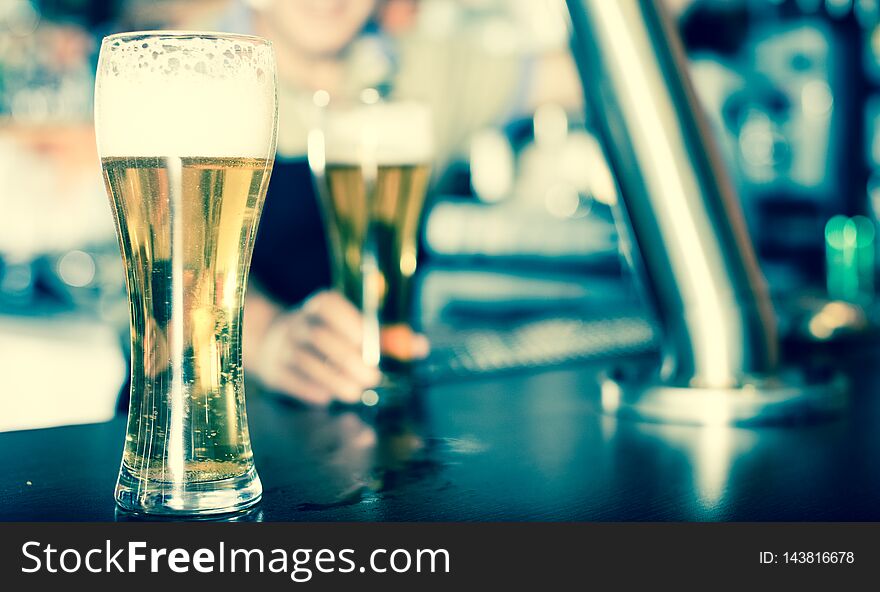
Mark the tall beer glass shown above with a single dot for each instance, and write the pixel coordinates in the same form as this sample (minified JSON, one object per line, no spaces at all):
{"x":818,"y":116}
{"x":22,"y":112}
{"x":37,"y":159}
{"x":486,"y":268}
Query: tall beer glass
{"x":371,"y":165}
{"x":186,"y":126}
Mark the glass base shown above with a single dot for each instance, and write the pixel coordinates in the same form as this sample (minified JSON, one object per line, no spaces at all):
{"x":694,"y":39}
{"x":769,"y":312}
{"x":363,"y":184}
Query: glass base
{"x":192,"y":499}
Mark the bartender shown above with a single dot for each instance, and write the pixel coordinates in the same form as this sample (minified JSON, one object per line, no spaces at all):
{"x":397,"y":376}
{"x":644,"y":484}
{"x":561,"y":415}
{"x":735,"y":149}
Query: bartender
{"x":301,"y":338}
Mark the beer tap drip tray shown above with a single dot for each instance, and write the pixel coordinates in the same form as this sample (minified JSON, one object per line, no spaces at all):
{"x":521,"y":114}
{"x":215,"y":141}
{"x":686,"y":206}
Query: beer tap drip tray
{"x":790,"y":396}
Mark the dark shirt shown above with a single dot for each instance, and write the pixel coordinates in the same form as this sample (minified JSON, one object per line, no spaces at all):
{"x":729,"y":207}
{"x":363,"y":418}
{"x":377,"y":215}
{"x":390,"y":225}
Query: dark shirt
{"x":290,"y":258}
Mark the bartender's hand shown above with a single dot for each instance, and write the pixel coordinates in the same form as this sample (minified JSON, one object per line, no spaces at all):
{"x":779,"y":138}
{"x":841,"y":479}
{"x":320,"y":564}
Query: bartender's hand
{"x":313,"y":352}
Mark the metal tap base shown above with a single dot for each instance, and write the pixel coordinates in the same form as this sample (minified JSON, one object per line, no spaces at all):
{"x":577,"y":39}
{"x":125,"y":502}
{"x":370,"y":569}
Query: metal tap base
{"x":785,"y":398}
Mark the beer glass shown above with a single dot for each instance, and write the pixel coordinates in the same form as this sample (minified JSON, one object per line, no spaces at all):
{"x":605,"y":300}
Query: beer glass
{"x":186,"y":128}
{"x":371,"y":166}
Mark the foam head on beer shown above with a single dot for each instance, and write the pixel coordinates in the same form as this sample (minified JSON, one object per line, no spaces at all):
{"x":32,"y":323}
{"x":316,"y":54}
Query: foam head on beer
{"x":390,"y":133}
{"x":211,"y":96}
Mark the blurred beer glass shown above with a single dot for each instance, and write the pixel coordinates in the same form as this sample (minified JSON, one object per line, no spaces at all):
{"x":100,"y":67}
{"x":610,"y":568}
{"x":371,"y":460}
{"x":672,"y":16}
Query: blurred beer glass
{"x":371,"y":165}
{"x":186,"y":127}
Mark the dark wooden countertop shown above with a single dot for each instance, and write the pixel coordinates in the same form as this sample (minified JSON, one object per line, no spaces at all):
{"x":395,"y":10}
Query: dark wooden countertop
{"x":502,"y":448}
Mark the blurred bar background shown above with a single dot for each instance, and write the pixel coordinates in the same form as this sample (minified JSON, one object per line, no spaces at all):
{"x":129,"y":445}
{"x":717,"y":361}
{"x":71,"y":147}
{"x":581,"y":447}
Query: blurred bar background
{"x":520,"y":260}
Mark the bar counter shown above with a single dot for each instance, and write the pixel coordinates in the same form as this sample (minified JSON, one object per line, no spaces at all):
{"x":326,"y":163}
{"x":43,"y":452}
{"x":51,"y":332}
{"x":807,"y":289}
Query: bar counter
{"x":527,"y":446}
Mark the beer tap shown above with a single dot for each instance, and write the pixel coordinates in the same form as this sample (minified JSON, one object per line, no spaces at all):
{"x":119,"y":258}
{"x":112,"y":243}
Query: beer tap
{"x":690,"y":246}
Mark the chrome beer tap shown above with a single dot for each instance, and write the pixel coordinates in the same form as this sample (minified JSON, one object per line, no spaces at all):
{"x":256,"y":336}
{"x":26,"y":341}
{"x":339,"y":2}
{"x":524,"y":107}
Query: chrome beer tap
{"x":690,"y":246}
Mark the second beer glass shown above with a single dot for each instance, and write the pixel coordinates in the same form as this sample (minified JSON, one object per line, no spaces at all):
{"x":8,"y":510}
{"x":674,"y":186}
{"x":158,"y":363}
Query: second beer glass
{"x":371,"y":164}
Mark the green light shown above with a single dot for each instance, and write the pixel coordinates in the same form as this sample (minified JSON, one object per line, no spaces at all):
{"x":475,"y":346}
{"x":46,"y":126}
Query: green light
{"x":849,"y":253}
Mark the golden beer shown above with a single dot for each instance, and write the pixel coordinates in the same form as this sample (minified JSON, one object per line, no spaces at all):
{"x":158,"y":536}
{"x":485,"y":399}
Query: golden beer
{"x":216,"y":214}
{"x":384,"y":224}
{"x":186,"y":126}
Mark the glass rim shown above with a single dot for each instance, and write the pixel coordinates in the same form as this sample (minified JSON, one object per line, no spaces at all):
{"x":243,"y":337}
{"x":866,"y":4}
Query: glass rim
{"x":184,"y":34}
